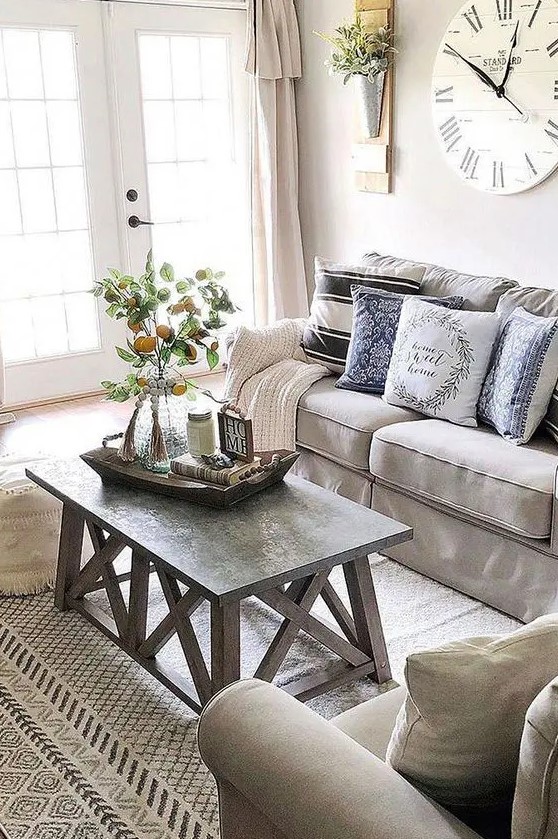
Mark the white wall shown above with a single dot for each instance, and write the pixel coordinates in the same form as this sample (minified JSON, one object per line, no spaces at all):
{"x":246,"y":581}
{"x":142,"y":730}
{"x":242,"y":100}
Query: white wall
{"x":431,"y":214}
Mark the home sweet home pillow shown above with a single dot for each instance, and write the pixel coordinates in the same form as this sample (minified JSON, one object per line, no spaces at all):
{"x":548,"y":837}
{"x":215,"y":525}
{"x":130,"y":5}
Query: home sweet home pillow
{"x":439,"y":361}
{"x":328,"y":331}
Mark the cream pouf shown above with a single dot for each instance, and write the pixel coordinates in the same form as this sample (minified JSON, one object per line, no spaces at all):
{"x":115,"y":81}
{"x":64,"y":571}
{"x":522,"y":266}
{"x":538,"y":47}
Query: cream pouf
{"x":29,"y":530}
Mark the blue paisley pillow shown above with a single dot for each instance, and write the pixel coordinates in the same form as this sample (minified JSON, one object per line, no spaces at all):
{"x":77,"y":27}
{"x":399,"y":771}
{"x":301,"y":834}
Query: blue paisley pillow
{"x":375,"y":320}
{"x":521,"y":377}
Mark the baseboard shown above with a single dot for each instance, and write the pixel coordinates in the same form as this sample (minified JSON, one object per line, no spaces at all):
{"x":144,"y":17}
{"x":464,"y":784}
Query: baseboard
{"x":74,"y":397}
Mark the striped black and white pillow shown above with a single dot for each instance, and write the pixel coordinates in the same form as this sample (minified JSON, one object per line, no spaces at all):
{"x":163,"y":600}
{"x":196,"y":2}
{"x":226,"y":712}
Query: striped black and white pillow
{"x":328,"y":331}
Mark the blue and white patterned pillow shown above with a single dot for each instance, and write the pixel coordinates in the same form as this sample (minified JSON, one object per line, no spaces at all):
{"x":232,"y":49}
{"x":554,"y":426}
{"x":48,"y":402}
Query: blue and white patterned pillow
{"x":376,"y":317}
{"x":521,"y":377}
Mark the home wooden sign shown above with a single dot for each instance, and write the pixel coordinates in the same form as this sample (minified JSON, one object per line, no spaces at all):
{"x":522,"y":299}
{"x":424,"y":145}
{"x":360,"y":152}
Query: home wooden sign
{"x":236,"y":436}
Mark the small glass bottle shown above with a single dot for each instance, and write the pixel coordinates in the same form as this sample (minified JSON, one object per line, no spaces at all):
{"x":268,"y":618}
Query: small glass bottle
{"x":201,"y":433}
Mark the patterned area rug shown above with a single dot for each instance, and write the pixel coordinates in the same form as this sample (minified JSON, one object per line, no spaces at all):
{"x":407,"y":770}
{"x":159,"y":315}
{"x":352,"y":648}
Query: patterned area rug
{"x":92,"y":747}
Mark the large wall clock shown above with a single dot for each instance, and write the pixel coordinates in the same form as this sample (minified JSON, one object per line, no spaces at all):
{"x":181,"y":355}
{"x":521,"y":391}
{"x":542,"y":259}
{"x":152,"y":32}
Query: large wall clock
{"x":495,"y":93}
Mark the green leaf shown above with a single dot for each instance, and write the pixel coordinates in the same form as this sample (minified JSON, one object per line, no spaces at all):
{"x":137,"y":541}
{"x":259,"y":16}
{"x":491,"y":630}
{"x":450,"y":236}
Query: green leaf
{"x":212,"y":358}
{"x":107,"y":385}
{"x":125,"y":355}
{"x":149,"y":262}
{"x":219,"y":275}
{"x":139,"y":363}
{"x":191,"y":395}
{"x":113,"y":309}
{"x":167,"y":272}
{"x":182,"y":287}
{"x":115,"y":273}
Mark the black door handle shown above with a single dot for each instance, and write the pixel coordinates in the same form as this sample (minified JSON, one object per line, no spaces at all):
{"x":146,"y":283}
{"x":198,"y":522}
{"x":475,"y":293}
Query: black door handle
{"x":134,"y":222}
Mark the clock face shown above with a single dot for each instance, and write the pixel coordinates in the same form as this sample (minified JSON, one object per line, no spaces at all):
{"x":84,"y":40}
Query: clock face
{"x":495,"y":93}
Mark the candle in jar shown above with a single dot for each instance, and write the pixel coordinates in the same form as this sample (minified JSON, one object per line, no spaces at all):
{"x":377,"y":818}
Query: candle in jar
{"x":201,"y":433}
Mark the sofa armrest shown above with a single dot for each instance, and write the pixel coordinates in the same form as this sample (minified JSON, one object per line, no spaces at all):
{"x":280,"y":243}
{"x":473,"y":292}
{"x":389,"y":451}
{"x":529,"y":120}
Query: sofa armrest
{"x":252,"y":350}
{"x":308,"y":779}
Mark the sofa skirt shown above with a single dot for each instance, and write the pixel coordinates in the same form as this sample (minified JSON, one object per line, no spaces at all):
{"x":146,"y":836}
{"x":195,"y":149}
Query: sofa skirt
{"x":505,"y":573}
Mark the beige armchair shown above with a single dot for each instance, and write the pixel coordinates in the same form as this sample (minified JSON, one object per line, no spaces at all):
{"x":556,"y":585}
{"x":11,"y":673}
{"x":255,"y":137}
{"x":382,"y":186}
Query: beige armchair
{"x":283,"y":772}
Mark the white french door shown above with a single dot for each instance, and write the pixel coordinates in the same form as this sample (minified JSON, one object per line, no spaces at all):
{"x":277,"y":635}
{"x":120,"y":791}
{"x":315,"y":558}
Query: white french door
{"x":57,"y":205}
{"x":112,"y":113}
{"x":182,"y":104}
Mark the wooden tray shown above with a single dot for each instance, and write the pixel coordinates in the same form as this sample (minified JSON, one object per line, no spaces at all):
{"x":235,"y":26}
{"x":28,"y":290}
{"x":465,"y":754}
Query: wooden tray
{"x":107,"y":464}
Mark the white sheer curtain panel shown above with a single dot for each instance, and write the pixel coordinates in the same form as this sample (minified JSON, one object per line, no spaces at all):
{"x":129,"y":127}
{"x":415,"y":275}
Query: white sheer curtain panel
{"x":274,"y":61}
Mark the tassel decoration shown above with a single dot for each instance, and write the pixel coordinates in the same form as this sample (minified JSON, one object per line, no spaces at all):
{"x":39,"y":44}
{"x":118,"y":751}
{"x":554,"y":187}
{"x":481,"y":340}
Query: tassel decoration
{"x":158,"y":450}
{"x":127,"y":450}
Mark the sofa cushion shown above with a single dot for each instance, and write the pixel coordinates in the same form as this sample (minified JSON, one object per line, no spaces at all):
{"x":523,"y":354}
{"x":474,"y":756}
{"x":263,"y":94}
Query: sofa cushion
{"x":481,"y":293}
{"x":340,"y":423}
{"x":457,"y":736}
{"x":535,"y":807}
{"x":544,"y":303}
{"x":473,"y":471}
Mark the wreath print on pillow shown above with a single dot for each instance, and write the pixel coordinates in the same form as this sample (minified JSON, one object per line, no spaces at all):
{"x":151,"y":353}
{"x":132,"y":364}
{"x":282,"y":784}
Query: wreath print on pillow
{"x":439,"y":361}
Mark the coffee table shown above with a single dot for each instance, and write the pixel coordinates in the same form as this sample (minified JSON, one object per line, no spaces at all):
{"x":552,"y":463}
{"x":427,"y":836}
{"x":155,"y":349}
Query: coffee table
{"x":279,"y":546}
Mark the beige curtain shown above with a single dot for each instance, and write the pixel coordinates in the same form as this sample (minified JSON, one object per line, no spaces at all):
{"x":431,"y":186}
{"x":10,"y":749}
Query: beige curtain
{"x":274,"y":61}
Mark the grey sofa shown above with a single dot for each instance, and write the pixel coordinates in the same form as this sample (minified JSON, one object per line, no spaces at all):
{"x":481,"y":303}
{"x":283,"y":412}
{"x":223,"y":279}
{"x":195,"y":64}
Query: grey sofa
{"x":484,"y":512}
{"x":283,"y":772}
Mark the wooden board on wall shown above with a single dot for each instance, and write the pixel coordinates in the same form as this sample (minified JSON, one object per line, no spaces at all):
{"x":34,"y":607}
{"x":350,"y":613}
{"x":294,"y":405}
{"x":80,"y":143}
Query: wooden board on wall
{"x":376,"y":13}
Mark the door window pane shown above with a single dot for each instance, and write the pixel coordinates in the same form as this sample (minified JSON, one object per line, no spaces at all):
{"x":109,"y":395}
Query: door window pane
{"x":65,"y":133}
{"x":6,"y":143}
{"x":187,"y":115}
{"x":37,"y":200}
{"x":57,"y":53}
{"x":45,"y":240}
{"x":23,"y":64}
{"x":30,"y":133}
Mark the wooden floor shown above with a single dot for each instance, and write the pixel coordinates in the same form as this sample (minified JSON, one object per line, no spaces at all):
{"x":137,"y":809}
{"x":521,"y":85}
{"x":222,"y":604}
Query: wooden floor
{"x":72,"y":427}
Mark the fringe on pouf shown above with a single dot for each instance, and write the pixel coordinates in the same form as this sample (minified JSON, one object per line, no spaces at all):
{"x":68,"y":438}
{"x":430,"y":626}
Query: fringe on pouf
{"x":158,"y":450}
{"x":127,"y":450}
{"x":27,"y":582}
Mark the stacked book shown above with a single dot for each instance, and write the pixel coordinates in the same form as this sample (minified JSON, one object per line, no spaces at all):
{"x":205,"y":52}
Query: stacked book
{"x":194,"y":469}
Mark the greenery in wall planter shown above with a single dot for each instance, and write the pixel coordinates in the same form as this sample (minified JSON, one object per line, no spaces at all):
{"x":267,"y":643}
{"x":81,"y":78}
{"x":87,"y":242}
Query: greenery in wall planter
{"x":364,"y":57}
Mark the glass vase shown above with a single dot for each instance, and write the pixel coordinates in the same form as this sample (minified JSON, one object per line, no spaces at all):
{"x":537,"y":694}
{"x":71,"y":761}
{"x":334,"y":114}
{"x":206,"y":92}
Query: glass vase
{"x":173,"y":416}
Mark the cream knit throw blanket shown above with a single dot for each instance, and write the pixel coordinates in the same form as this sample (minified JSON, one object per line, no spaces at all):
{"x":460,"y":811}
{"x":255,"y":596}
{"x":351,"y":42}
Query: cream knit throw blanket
{"x":267,"y":375}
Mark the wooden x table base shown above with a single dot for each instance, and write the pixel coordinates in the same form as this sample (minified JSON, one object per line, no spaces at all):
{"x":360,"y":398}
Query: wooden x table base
{"x":356,"y":638}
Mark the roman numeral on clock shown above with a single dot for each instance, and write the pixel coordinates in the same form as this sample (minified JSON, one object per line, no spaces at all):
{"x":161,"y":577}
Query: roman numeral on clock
{"x":473,"y":19}
{"x":505,"y":9}
{"x":470,"y":163}
{"x":451,"y":133}
{"x":556,"y":89}
{"x":553,"y":48}
{"x":498,"y":175}
{"x":552,"y":131}
{"x":535,"y":13}
{"x":444,"y":95}
{"x":531,"y":165}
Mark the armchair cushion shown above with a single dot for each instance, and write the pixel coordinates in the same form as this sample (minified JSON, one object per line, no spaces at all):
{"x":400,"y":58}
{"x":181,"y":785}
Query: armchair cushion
{"x":371,"y":723}
{"x":535,"y":807}
{"x":458,"y":734}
